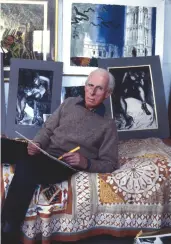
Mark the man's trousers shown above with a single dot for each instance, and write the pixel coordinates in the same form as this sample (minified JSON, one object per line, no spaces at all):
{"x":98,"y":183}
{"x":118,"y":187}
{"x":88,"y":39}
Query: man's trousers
{"x":30,"y":171}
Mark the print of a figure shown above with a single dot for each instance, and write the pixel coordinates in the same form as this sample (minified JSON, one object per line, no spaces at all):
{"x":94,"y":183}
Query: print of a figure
{"x":33,"y":96}
{"x":132,"y":86}
{"x":133,"y":99}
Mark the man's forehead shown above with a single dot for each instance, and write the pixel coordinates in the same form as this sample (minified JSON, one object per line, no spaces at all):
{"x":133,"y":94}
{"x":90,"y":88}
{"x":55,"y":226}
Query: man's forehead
{"x":98,"y":79}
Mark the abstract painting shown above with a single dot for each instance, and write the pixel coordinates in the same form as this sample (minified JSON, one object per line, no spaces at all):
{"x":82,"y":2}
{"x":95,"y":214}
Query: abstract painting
{"x":34,"y":94}
{"x":137,"y":103}
{"x":25,"y":31}
{"x":133,"y":101}
{"x":103,"y":29}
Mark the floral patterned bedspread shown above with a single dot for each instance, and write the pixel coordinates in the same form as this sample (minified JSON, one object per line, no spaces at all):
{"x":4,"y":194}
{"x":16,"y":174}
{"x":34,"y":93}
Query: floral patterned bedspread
{"x":135,"y":197}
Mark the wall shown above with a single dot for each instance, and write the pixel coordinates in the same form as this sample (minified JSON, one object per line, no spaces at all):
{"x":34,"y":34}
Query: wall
{"x":167,"y":51}
{"x":166,"y":67}
{"x":167,"y":58}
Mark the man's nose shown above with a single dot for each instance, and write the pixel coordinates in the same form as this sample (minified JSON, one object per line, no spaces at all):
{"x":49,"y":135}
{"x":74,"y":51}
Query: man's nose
{"x":93,"y":91}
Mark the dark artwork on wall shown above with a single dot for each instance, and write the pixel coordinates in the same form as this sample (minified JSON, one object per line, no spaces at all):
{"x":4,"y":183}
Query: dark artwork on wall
{"x":34,"y":96}
{"x":74,"y":91}
{"x":133,"y":101}
{"x":138,"y":101}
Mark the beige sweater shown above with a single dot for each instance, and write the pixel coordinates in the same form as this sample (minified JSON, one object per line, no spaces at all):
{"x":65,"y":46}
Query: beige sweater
{"x":72,"y":125}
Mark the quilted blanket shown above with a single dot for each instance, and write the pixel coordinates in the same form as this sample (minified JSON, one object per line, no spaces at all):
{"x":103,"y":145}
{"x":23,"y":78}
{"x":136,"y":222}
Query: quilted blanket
{"x":135,"y":197}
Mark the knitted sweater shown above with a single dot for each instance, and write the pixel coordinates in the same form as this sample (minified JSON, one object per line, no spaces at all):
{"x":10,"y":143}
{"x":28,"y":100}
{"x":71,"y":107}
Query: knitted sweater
{"x":73,"y":125}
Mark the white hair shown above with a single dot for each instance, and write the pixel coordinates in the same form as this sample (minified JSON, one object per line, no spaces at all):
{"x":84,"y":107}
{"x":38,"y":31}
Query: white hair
{"x":111,"y":79}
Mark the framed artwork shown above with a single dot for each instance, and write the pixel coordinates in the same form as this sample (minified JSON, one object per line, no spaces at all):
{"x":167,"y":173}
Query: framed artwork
{"x":109,"y":29}
{"x":34,"y":93}
{"x":3,"y":108}
{"x":27,"y":30}
{"x":74,"y":91}
{"x":154,"y":239}
{"x":138,"y":102}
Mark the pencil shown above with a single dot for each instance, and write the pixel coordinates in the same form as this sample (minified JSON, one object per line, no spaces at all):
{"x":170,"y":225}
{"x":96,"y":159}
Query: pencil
{"x":73,"y":150}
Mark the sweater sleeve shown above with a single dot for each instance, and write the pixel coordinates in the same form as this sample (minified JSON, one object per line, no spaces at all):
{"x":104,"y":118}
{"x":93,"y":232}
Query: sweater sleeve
{"x":44,"y":134}
{"x":107,"y":160}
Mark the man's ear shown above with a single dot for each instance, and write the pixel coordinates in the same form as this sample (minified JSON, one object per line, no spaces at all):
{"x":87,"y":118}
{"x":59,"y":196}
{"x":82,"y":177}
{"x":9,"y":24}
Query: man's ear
{"x":85,"y":89}
{"x":108,"y":93}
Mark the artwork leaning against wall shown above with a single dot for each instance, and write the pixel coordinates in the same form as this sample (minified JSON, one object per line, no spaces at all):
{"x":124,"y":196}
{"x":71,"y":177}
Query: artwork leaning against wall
{"x":34,"y":96}
{"x":34,"y":93}
{"x":137,"y":102}
{"x":134,"y":85}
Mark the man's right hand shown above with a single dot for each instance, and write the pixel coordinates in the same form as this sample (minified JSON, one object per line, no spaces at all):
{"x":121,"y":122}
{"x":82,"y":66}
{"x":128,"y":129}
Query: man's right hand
{"x":32,"y":150}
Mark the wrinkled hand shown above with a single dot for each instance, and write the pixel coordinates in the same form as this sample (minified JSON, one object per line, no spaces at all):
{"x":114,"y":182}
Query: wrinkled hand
{"x":75,"y":159}
{"x":32,"y":150}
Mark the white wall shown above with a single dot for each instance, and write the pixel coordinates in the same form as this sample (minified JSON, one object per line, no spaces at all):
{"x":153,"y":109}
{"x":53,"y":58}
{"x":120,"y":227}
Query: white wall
{"x":167,"y":52}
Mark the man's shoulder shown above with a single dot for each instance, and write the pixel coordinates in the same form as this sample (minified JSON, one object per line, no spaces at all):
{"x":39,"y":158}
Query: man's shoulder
{"x":72,"y":100}
{"x":110,"y":122}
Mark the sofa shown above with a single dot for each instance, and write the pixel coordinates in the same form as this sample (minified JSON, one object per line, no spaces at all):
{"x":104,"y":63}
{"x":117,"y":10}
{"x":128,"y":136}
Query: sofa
{"x":114,"y":206}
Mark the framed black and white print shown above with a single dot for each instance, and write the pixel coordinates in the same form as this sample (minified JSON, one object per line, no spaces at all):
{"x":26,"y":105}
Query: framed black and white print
{"x":27,"y":30}
{"x":134,"y":85}
{"x":3,"y":108}
{"x":138,"y":102}
{"x":34,"y":93}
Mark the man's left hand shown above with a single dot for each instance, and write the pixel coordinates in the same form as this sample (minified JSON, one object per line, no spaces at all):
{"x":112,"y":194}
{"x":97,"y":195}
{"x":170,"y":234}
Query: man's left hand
{"x":75,"y":159}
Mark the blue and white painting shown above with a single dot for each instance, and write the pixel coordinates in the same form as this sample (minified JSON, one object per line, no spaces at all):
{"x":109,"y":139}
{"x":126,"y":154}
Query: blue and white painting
{"x":110,"y":31}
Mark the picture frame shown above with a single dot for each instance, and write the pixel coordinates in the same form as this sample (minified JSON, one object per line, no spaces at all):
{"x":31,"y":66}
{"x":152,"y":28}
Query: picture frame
{"x":34,"y":91}
{"x":30,"y":35}
{"x":74,"y":91}
{"x":138,"y":100}
{"x":3,"y":108}
{"x":83,"y":45}
{"x":153,"y":239}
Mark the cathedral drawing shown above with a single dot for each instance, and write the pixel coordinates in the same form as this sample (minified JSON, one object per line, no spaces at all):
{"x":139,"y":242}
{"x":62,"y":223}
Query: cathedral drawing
{"x":125,"y":31}
{"x":138,"y":32}
{"x":87,"y":48}
{"x":99,"y":49}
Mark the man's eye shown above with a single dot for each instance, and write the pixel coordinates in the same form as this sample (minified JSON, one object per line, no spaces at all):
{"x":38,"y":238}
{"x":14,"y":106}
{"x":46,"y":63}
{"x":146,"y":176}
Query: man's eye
{"x":100,"y":88}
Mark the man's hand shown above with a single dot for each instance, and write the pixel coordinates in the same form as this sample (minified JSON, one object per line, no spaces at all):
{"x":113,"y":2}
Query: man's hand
{"x":32,"y":150}
{"x":75,"y":159}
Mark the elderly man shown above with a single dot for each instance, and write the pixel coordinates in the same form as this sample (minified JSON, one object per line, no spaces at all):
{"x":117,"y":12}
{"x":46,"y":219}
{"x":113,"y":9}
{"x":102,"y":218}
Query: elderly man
{"x":75,"y":122}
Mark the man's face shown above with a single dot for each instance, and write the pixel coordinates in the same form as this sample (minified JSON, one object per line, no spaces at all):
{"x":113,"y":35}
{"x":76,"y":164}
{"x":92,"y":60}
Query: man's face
{"x":96,"y":90}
